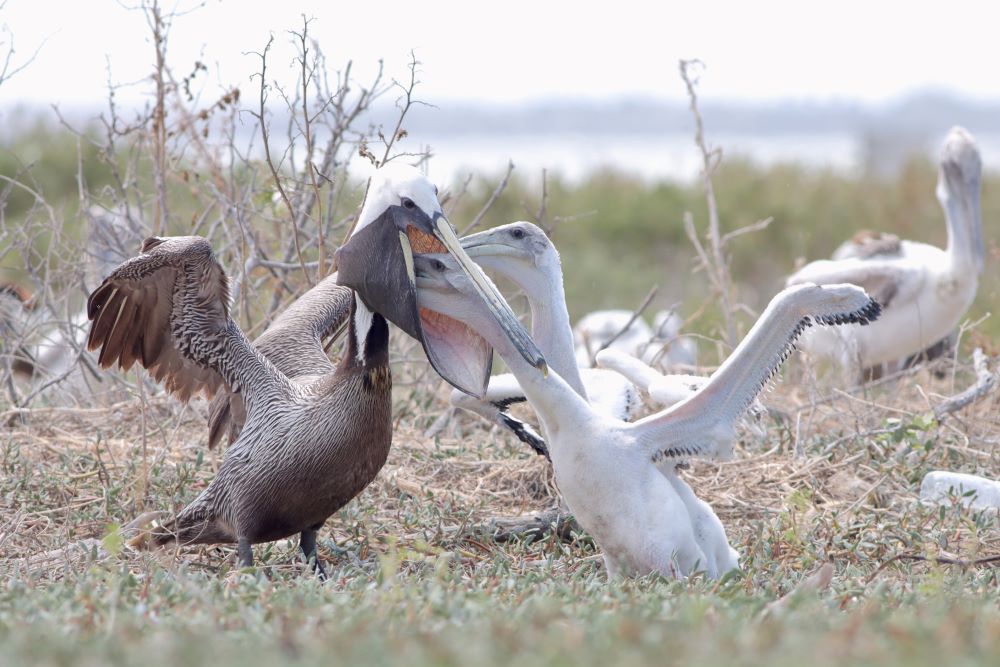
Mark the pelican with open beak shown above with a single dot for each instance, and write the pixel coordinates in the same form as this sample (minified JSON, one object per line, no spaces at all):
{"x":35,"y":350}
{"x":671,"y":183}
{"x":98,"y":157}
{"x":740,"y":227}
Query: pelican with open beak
{"x":402,"y":216}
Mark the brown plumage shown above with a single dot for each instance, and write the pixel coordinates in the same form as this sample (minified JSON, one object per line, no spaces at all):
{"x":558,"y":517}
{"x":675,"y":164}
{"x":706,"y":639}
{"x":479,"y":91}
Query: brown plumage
{"x":294,"y":344}
{"x":309,"y":444}
{"x":307,"y":447}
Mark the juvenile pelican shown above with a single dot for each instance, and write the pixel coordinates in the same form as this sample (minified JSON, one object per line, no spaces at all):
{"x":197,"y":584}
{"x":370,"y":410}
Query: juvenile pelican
{"x":924,"y":291}
{"x":522,"y":253}
{"x":667,"y":347}
{"x":598,"y":329}
{"x":307,"y":447}
{"x":622,"y":331}
{"x":606,"y":468}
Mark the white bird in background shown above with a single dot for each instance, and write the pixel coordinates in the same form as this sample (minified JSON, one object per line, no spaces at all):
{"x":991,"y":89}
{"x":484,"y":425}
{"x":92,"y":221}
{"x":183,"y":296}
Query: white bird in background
{"x":924,"y":291}
{"x":51,"y":343}
{"x":667,"y":389}
{"x":599,"y":329}
{"x":606,"y":468}
{"x":622,"y":330}
{"x":668,"y":348}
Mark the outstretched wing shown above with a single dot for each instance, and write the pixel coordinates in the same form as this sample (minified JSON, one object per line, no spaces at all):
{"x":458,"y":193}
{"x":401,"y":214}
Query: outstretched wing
{"x":294,"y":343}
{"x":887,"y":281}
{"x":703,"y":424}
{"x":168,"y":309}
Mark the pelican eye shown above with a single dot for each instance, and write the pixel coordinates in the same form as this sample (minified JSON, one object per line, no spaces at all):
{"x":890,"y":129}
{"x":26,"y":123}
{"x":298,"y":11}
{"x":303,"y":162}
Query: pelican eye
{"x":438,"y":265}
{"x":518,"y":233}
{"x":408,"y":203}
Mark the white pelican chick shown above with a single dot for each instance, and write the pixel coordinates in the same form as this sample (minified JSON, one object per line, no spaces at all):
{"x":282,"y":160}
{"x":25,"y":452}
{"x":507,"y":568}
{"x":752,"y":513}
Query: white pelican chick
{"x":522,"y":253}
{"x":606,"y":468}
{"x":598,"y":329}
{"x":924,"y":291}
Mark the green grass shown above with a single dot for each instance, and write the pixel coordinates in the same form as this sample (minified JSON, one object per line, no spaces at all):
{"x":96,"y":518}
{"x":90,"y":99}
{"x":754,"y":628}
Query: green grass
{"x":442,"y":615}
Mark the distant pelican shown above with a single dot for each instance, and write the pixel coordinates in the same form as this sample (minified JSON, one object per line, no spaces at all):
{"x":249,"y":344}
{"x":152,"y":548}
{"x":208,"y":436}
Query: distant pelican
{"x":598,"y":329}
{"x":924,"y":291}
{"x":623,"y":330}
{"x":606,"y":468}
{"x":15,"y":306}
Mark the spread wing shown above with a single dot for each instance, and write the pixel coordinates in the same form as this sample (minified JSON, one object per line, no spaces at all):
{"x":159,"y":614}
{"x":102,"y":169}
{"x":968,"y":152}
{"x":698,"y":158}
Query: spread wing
{"x":168,"y":309}
{"x":887,"y":281}
{"x":294,"y":343}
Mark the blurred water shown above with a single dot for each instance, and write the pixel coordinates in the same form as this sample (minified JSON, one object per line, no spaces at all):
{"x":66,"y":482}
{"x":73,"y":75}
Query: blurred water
{"x":675,"y":156}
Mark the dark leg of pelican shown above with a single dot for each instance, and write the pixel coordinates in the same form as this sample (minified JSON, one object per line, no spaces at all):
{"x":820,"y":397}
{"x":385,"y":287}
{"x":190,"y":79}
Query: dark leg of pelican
{"x":244,"y":553}
{"x":307,"y":540}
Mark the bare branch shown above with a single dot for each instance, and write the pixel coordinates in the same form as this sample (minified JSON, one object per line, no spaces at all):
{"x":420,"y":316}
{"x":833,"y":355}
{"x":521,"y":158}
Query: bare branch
{"x":710,"y":160}
{"x":270,"y":163}
{"x":492,"y":200}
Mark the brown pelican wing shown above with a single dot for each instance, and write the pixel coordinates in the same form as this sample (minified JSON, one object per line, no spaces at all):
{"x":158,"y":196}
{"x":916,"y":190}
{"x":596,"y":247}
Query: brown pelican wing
{"x":294,"y":343}
{"x":168,"y":309}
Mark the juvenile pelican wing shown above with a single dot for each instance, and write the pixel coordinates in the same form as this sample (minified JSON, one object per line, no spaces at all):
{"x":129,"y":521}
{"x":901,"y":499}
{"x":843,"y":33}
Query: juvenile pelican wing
{"x":703,"y":424}
{"x":168,"y":309}
{"x":294,"y":343}
{"x":885,"y":280}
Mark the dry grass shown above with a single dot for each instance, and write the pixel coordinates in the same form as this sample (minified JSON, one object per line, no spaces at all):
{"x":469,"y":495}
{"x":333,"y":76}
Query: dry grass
{"x":414,"y":577}
{"x":836,"y":478}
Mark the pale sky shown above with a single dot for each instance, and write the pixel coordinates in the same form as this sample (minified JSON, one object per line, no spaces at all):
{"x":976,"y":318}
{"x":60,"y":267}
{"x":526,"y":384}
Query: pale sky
{"x":511,"y":50}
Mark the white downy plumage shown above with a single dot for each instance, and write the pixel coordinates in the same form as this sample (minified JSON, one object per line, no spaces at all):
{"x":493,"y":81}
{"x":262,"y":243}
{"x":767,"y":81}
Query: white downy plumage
{"x":607,"y":469}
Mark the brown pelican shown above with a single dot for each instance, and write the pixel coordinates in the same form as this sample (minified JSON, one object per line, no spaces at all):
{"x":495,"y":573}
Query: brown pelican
{"x":924,"y":290}
{"x":306,"y":447}
{"x":606,"y":468}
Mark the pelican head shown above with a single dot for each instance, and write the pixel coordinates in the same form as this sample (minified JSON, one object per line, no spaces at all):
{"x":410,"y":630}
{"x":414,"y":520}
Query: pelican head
{"x":535,"y":266}
{"x":402,"y":216}
{"x":958,"y":188}
{"x":444,"y":288}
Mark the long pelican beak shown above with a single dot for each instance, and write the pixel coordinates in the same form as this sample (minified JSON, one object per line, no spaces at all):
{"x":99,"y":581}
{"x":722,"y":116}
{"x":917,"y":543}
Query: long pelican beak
{"x":377,"y":262}
{"x":497,"y":304}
